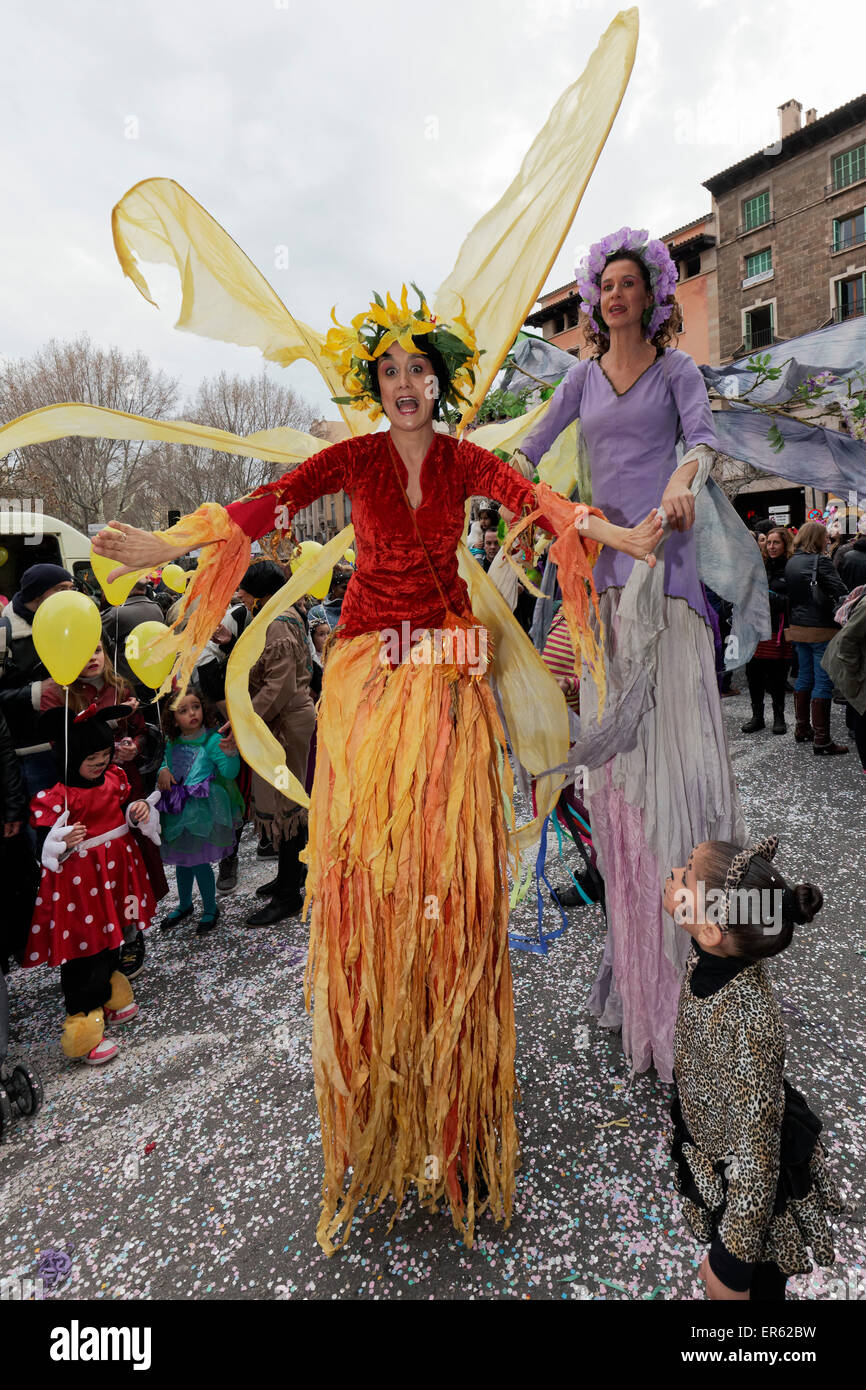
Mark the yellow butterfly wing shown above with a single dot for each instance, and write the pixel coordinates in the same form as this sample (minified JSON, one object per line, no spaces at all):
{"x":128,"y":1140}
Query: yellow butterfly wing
{"x":224,"y":296}
{"x":506,"y":258}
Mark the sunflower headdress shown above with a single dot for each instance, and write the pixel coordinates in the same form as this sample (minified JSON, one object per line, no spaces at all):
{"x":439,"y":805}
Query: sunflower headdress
{"x":354,"y":350}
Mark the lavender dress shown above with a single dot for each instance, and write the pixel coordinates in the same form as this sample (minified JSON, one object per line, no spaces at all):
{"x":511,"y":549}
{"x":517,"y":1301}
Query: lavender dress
{"x":662,"y":781}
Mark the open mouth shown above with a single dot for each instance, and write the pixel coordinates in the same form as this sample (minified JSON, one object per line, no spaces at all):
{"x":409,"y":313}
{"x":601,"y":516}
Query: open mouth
{"x":407,"y":405}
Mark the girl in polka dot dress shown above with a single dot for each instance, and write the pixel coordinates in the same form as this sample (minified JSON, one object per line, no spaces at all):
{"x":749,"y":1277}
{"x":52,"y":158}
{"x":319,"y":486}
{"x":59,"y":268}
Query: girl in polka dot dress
{"x":94,"y":881}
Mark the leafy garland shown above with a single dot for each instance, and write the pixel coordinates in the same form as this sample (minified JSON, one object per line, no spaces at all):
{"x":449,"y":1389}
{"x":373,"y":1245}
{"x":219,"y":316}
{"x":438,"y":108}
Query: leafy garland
{"x":385,"y":322}
{"x":826,"y":387}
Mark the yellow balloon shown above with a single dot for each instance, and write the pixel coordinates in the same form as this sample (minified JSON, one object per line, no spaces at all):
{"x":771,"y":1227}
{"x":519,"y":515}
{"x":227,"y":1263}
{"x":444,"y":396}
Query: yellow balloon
{"x":308,"y":551}
{"x":4,"y":555}
{"x":119,"y":590}
{"x":151,"y":673}
{"x":175,"y":578}
{"x":66,"y":633}
{"x":350,"y":556}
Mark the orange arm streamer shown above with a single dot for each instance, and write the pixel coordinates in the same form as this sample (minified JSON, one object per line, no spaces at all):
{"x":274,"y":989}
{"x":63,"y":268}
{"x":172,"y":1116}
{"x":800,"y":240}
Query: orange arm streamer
{"x":574,"y":554}
{"x":221,"y":566}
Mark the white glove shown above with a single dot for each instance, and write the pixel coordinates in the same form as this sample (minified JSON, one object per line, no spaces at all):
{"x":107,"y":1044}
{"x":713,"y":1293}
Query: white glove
{"x":55,"y":848}
{"x":149,"y":827}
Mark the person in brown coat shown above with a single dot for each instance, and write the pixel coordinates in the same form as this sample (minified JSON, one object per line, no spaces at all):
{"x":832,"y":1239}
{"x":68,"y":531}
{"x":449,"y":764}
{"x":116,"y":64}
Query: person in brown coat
{"x":280,"y":692}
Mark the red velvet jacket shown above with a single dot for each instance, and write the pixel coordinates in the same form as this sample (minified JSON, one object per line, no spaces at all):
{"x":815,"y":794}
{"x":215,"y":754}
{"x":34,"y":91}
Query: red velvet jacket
{"x":393,"y":580}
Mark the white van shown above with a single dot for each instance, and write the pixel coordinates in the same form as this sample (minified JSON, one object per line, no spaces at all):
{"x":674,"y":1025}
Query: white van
{"x":32,"y":538}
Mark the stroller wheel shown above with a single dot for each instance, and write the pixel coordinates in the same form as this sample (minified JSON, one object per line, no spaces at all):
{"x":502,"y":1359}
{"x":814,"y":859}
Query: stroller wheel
{"x":25,"y":1090}
{"x":5,"y":1112}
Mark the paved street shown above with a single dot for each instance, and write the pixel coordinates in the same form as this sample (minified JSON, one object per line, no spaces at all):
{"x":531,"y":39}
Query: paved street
{"x":190,"y":1167}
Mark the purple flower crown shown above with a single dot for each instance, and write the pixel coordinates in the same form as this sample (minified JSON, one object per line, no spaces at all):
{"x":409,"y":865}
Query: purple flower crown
{"x":654,"y":255}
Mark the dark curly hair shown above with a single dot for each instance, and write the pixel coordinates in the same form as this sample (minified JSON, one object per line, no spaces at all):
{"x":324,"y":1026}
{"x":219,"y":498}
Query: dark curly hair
{"x":210,"y":715}
{"x":663,"y":336}
{"x":762,"y":935}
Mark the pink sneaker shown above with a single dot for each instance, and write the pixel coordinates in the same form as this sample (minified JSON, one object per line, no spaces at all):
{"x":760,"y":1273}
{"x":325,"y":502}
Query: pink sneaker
{"x":121,"y":1015}
{"x":102,"y":1052}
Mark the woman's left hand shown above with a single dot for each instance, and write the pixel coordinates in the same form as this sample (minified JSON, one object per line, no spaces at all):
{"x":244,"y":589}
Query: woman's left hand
{"x":138,"y":811}
{"x":678,"y":502}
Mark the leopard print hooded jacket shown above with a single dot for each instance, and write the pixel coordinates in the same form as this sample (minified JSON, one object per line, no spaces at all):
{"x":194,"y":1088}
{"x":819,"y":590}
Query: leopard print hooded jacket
{"x":729,"y":1054}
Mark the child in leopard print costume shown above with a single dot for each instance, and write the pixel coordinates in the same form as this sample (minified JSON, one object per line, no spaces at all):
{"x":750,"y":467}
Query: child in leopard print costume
{"x":751,"y":1166}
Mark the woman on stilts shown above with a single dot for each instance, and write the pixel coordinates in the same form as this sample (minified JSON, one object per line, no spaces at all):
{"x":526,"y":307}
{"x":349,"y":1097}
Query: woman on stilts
{"x":413,"y":1035}
{"x":659,"y":777}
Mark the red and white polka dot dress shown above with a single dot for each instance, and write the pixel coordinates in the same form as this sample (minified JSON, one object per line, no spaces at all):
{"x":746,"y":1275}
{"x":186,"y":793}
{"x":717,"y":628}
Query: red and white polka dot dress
{"x":83,"y":907}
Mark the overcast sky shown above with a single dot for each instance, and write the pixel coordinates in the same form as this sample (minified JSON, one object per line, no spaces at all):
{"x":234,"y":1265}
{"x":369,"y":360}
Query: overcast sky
{"x":308,"y":126}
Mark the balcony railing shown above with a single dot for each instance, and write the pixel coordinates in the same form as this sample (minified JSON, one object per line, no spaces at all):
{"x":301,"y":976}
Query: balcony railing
{"x":842,"y":312}
{"x":755,"y":226}
{"x":843,"y":184}
{"x":844,"y":243}
{"x":758,"y":338}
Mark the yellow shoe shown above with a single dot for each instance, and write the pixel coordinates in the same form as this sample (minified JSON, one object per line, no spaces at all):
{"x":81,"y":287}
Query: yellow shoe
{"x":82,"y":1033}
{"x":121,"y":994}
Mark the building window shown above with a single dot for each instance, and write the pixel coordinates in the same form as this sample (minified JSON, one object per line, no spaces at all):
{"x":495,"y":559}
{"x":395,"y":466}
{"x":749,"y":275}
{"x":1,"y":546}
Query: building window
{"x":851,"y":297}
{"x":849,"y":167}
{"x":759,"y":328}
{"x":689,"y":266}
{"x":756,"y":211}
{"x":759,"y":263}
{"x":849,"y":231}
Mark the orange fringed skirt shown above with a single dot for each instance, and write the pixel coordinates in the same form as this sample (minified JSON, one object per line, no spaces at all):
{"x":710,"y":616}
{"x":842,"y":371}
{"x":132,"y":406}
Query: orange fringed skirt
{"x":413,"y":1015}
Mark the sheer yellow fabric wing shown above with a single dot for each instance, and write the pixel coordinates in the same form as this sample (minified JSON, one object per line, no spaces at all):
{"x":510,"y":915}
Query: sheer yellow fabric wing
{"x":505,"y":260}
{"x":257,"y":744}
{"x":285,"y":445}
{"x":224,"y":295}
{"x":560,"y":466}
{"x":532,"y":702}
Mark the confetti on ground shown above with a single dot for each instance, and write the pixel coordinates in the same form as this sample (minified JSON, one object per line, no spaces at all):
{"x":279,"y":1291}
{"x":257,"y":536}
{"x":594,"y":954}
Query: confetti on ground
{"x":214,"y":1085}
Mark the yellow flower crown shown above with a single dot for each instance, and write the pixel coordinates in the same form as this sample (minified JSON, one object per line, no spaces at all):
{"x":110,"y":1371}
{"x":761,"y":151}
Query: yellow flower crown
{"x":385,"y":322}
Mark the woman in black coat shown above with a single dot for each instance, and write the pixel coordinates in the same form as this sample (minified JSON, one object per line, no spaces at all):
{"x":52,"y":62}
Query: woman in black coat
{"x":815,"y":591}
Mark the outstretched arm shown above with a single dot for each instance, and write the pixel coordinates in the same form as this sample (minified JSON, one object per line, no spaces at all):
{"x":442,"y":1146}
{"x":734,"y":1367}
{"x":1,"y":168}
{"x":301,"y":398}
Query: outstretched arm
{"x":268,"y":508}
{"x":580,"y":532}
{"x":488,"y":476}
{"x":225,"y":534}
{"x":563,"y":410}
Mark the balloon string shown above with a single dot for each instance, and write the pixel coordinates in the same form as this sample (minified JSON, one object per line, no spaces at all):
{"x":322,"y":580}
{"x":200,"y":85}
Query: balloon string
{"x":66,"y":748}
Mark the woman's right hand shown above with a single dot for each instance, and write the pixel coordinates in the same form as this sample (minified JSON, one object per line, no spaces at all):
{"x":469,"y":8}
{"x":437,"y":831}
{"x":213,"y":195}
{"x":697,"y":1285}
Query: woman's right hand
{"x":75,"y":835}
{"x":134,"y":549}
{"x":164,"y":780}
{"x":641,"y":541}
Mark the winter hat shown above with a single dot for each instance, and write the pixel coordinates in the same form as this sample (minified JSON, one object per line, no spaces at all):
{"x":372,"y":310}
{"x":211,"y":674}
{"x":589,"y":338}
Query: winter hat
{"x":263,"y":579}
{"x":82,"y":734}
{"x":38,"y":578}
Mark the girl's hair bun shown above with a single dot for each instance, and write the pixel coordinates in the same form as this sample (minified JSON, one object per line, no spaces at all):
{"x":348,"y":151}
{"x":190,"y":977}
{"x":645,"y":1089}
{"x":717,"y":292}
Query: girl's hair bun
{"x":801,"y":903}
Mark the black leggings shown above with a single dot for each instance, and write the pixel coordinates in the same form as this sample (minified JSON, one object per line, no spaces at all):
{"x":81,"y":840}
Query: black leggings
{"x":86,"y":983}
{"x":768,"y":1284}
{"x":767,"y":675}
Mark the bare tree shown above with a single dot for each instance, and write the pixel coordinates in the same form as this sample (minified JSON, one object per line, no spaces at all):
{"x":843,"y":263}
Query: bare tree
{"x":87,"y":480}
{"x":242,"y":405}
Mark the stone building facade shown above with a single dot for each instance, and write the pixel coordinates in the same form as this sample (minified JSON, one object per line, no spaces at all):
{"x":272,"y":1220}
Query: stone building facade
{"x":791,"y":253}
